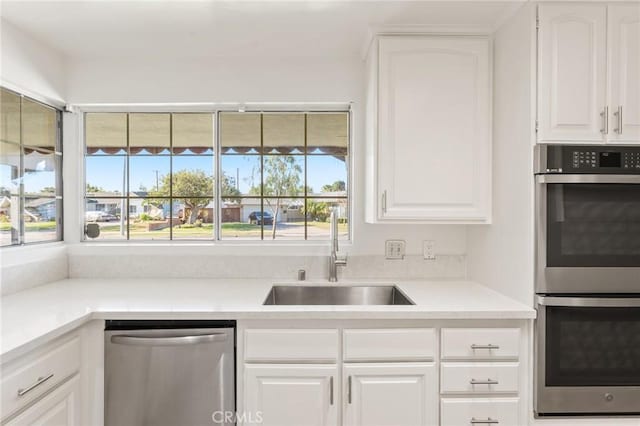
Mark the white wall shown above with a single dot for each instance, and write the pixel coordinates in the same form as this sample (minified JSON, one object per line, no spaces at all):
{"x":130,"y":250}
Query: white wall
{"x":34,"y":69}
{"x":501,"y":255}
{"x":259,"y":80}
{"x":30,"y":66}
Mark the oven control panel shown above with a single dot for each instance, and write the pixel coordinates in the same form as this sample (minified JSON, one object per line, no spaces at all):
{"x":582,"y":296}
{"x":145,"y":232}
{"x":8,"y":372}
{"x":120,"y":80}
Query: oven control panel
{"x":588,"y":159}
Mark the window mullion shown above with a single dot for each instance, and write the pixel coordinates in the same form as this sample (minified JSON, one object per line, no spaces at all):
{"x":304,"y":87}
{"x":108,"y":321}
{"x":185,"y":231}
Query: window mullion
{"x":21,"y":201}
{"x":217,"y":172}
{"x":262,"y":178}
{"x":127,"y":184}
{"x":170,"y":177}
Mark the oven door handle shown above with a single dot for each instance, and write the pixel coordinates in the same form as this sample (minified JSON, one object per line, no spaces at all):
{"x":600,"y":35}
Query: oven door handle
{"x":553,"y":178}
{"x":590,"y":302}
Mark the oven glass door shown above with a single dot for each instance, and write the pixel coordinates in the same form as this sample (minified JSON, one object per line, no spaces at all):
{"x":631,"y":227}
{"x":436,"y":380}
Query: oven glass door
{"x":593,"y":225}
{"x":592,"y":346}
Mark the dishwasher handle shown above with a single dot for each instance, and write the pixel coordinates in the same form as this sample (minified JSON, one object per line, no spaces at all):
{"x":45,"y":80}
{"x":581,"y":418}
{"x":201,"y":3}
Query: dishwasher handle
{"x":168,"y":341}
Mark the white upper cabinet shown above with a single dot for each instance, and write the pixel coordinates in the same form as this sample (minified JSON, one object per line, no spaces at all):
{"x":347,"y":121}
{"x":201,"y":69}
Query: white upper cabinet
{"x":429,"y":130}
{"x":588,"y":67}
{"x":572,"y":72}
{"x":624,"y":42}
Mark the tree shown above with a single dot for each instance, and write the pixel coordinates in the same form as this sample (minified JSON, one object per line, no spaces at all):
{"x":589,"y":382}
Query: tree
{"x":318,"y":211}
{"x":281,"y":178}
{"x":337,"y":186}
{"x":93,"y":188}
{"x":49,"y":190}
{"x":194,"y":186}
{"x":228,"y":188}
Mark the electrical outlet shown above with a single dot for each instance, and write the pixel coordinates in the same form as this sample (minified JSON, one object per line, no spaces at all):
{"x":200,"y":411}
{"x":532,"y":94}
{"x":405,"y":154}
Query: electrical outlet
{"x":428,"y":249}
{"x":395,"y":249}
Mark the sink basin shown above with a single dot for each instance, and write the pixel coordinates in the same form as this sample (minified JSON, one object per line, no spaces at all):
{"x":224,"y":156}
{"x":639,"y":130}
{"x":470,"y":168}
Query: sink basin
{"x":336,"y":295}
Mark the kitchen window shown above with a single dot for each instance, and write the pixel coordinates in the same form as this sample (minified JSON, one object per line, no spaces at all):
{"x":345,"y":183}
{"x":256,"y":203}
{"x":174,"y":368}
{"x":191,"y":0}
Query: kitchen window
{"x":31,"y":172}
{"x":240,"y":176}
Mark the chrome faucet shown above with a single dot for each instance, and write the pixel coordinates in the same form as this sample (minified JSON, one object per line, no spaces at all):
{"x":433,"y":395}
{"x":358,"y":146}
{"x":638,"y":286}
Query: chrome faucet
{"x":334,"y":259}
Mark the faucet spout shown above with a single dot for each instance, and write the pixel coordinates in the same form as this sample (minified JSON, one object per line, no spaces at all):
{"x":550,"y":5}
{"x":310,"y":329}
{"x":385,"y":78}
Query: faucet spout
{"x":334,"y":259}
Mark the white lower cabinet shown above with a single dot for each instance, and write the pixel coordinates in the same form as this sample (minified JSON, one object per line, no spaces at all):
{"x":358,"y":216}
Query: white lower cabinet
{"x":61,"y":407}
{"x":398,"y":394}
{"x":291,"y":395}
{"x":383,"y":376}
{"x":479,"y":411}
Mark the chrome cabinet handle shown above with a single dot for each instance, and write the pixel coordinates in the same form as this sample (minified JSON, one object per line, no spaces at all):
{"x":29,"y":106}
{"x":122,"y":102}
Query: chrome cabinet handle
{"x":331,"y":390}
{"x":605,"y":121}
{"x":384,"y":201}
{"x":349,"y":390}
{"x":489,"y":346}
{"x":168,"y":341}
{"x":483,"y":382}
{"x":488,"y":421}
{"x":41,"y":380}
{"x":618,"y":115}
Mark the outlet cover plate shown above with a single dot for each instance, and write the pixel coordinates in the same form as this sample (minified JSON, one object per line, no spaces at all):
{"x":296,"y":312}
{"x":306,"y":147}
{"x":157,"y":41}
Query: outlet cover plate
{"x":428,"y":249}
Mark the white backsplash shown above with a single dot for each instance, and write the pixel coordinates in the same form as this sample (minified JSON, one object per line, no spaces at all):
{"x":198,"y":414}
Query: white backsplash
{"x":274,"y":267}
{"x":36,"y":270}
{"x":57,"y":265}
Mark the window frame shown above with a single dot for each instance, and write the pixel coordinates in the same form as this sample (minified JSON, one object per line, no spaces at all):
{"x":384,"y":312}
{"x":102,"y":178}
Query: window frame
{"x":217,"y":239}
{"x":58,"y":155}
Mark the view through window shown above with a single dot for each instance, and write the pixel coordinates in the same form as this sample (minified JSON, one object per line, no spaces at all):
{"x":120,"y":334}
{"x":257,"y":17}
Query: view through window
{"x":266,"y":176}
{"x":30,"y":171}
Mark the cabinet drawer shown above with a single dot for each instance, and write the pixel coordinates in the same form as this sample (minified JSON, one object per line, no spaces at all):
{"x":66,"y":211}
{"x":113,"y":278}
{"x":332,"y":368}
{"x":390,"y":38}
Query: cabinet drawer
{"x":38,"y":374}
{"x":485,"y":377}
{"x":480,"y":343}
{"x":269,"y":345}
{"x":393,"y":344}
{"x":479,"y":411}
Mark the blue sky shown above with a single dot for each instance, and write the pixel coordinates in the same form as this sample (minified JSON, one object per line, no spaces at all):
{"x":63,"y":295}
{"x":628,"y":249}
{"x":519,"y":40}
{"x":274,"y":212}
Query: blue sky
{"x":107,"y":171}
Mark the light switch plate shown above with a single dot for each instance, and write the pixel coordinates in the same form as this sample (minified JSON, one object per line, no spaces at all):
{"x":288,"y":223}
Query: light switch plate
{"x":395,"y":249}
{"x":428,"y":249}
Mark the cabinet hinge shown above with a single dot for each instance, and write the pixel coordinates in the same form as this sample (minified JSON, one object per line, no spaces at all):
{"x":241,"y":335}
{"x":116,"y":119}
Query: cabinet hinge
{"x":537,"y":23}
{"x":536,"y":126}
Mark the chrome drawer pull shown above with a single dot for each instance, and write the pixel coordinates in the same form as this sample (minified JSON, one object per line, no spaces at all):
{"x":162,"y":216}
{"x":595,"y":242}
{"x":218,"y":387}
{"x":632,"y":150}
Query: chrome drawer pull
{"x":483,"y":382}
{"x":618,"y":115}
{"x":331,"y":390}
{"x":41,"y":380}
{"x":605,"y":121}
{"x":488,"y":421}
{"x":489,"y":346}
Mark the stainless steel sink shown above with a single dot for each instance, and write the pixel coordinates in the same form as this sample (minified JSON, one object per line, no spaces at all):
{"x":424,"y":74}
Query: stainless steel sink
{"x":336,"y":295}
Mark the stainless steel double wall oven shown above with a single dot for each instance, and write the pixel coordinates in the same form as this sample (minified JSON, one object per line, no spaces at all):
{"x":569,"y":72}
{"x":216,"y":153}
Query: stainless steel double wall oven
{"x":587,"y":280}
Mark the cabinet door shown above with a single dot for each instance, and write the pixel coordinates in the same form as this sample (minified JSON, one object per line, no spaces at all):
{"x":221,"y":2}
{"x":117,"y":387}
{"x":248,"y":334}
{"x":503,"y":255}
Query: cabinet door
{"x":291,"y":395}
{"x":572,"y":73}
{"x":624,"y":48}
{"x":433,"y":156}
{"x":59,"y":408}
{"x":390,"y":394}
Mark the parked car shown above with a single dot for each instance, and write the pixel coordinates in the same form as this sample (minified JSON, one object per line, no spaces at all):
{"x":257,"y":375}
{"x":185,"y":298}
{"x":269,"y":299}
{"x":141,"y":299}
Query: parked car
{"x":260,"y":218}
{"x":99,"y":216}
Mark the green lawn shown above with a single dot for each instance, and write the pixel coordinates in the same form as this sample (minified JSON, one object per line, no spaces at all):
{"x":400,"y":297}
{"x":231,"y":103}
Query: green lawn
{"x":31,"y":226}
{"x":205,"y":231}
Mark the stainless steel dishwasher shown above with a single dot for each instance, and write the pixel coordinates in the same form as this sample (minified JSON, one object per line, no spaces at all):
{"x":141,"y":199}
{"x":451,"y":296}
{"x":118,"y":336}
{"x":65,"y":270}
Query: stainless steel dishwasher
{"x":169,"y":373}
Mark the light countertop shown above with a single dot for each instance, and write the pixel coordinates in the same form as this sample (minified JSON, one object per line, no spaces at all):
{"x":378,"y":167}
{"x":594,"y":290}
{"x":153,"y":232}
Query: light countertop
{"x":31,"y":317}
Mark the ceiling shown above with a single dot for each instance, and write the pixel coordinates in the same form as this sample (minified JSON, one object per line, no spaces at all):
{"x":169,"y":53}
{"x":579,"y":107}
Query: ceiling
{"x":234,"y":28}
